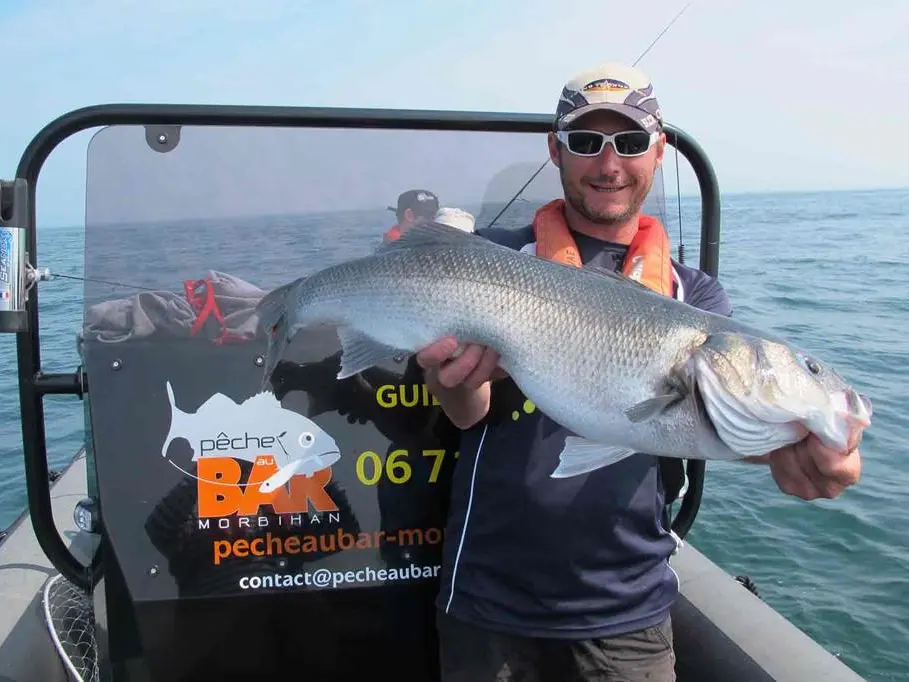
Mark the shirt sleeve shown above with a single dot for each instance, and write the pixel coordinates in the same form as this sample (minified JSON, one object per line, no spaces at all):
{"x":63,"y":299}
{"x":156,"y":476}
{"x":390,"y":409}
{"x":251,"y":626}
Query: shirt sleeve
{"x":704,"y":292}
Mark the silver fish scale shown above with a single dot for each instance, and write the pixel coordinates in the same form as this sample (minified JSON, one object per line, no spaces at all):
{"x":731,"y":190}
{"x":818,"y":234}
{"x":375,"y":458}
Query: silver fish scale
{"x":583,"y":346}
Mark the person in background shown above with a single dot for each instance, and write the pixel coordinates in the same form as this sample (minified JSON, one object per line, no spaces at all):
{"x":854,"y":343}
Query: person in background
{"x":569,"y":579}
{"x":413,"y":205}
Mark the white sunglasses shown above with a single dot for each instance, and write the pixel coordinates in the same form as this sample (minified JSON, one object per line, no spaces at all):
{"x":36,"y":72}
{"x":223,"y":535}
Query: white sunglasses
{"x":591,"y":142}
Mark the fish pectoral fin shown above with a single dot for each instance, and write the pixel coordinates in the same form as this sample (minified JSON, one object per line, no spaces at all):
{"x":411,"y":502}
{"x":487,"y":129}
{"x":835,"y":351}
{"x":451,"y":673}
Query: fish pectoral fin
{"x":654,"y":407}
{"x":581,"y":456}
{"x":359,"y":352}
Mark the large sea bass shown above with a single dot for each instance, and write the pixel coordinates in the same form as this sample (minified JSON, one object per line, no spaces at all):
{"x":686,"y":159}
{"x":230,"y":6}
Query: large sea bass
{"x":622,"y":368}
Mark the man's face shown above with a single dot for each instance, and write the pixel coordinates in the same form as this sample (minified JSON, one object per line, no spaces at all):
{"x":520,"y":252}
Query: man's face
{"x":607,"y":189}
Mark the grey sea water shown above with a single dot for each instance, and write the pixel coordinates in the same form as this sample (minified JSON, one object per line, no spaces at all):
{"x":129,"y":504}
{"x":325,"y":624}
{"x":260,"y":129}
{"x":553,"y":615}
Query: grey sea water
{"x":829,"y":270}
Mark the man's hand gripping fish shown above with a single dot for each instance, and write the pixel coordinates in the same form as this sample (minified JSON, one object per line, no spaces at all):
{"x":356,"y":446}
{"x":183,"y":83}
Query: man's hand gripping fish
{"x":623,"y":368}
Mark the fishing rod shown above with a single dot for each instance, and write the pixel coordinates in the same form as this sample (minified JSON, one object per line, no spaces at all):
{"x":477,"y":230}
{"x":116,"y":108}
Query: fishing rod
{"x":678,"y":183}
{"x":660,"y":35}
{"x":677,"y":180}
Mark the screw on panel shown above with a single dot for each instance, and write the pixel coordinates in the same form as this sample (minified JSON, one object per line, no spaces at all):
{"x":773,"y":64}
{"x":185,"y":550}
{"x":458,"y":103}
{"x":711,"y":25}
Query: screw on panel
{"x":115,"y":365}
{"x":153,"y":571}
{"x":162,"y":138}
{"x":259,"y":361}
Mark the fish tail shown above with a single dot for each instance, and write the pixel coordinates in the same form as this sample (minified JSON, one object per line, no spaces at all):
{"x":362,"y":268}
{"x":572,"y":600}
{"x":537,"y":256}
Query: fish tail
{"x":272,"y":307}
{"x":177,"y":417}
{"x":272,"y":314}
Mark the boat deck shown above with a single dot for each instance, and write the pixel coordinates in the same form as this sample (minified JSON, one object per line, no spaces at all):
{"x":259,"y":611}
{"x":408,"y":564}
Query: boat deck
{"x":30,"y":588}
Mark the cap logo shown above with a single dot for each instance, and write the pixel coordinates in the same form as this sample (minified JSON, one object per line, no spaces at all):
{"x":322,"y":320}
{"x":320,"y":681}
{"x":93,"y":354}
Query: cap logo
{"x":606,"y":85}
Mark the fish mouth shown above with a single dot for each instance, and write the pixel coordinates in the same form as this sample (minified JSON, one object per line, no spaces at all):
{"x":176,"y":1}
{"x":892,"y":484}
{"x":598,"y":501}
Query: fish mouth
{"x":860,"y":408}
{"x":855,"y":409}
{"x":322,"y":456}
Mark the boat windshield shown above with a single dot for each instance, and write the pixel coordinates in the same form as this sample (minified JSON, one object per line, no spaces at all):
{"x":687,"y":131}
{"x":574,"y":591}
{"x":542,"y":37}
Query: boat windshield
{"x":212,"y":488}
{"x":263,"y":205}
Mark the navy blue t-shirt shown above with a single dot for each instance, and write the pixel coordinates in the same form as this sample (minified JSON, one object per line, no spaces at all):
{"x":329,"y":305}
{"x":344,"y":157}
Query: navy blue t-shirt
{"x":579,"y":557}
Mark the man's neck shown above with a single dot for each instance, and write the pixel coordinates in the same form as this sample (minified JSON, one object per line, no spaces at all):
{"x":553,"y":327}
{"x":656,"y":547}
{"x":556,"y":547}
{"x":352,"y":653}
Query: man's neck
{"x":618,"y":233}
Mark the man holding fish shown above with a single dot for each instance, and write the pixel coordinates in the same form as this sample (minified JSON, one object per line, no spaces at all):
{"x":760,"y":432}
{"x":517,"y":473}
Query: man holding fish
{"x":568,"y":578}
{"x":572,"y":355}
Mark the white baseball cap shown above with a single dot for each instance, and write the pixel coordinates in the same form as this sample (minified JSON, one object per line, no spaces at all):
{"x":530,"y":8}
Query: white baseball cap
{"x":455,"y":217}
{"x":617,"y":87}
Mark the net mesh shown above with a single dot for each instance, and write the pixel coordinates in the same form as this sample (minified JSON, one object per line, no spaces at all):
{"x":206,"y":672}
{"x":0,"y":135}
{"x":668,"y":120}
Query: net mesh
{"x":69,"y":616}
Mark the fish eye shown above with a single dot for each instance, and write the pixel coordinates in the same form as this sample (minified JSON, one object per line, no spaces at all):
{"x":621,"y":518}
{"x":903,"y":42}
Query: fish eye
{"x":812,"y":365}
{"x":306,"y":439}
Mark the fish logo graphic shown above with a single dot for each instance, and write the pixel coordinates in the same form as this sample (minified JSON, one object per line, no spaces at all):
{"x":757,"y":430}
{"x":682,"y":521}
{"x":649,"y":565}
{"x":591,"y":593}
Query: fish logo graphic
{"x":258,"y":425}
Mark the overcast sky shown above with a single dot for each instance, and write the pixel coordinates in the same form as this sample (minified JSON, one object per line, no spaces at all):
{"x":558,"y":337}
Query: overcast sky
{"x":783,"y":95}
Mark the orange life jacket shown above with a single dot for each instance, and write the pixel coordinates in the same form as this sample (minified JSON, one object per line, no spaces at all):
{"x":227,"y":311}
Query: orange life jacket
{"x":647,"y":261}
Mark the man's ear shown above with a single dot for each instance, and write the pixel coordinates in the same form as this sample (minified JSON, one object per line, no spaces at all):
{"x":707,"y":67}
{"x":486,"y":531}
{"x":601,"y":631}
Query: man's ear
{"x":555,"y":149}
{"x":661,"y":148}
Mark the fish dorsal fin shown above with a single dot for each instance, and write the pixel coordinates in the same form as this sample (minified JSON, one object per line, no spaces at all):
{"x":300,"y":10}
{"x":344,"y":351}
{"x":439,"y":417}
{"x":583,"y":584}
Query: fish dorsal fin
{"x":218,"y":402}
{"x":617,"y":276}
{"x":434,"y":234}
{"x":262,"y":399}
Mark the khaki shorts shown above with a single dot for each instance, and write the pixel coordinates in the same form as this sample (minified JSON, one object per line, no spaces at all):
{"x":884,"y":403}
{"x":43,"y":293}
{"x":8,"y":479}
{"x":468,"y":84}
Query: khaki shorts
{"x":470,"y":654}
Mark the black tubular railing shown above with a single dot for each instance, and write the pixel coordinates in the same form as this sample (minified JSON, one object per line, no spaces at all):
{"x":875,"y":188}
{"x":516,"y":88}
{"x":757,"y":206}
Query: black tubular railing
{"x":709,"y":263}
{"x":34,"y":384}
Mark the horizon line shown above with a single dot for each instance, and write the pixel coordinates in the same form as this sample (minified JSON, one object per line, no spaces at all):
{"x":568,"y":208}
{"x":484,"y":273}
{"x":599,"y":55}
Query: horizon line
{"x":723,"y":194}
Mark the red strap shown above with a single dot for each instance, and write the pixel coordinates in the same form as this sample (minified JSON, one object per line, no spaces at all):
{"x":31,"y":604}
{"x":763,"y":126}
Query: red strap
{"x":201,"y":296}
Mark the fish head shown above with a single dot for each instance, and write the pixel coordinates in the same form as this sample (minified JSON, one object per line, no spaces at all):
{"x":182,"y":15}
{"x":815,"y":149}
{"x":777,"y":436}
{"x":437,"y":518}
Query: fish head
{"x":761,"y":394}
{"x":312,"y":443}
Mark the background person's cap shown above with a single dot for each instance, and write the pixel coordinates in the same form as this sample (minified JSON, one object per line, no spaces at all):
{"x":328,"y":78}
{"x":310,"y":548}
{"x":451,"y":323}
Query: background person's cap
{"x":456,"y":217}
{"x":617,"y":87}
{"x":421,"y":201}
